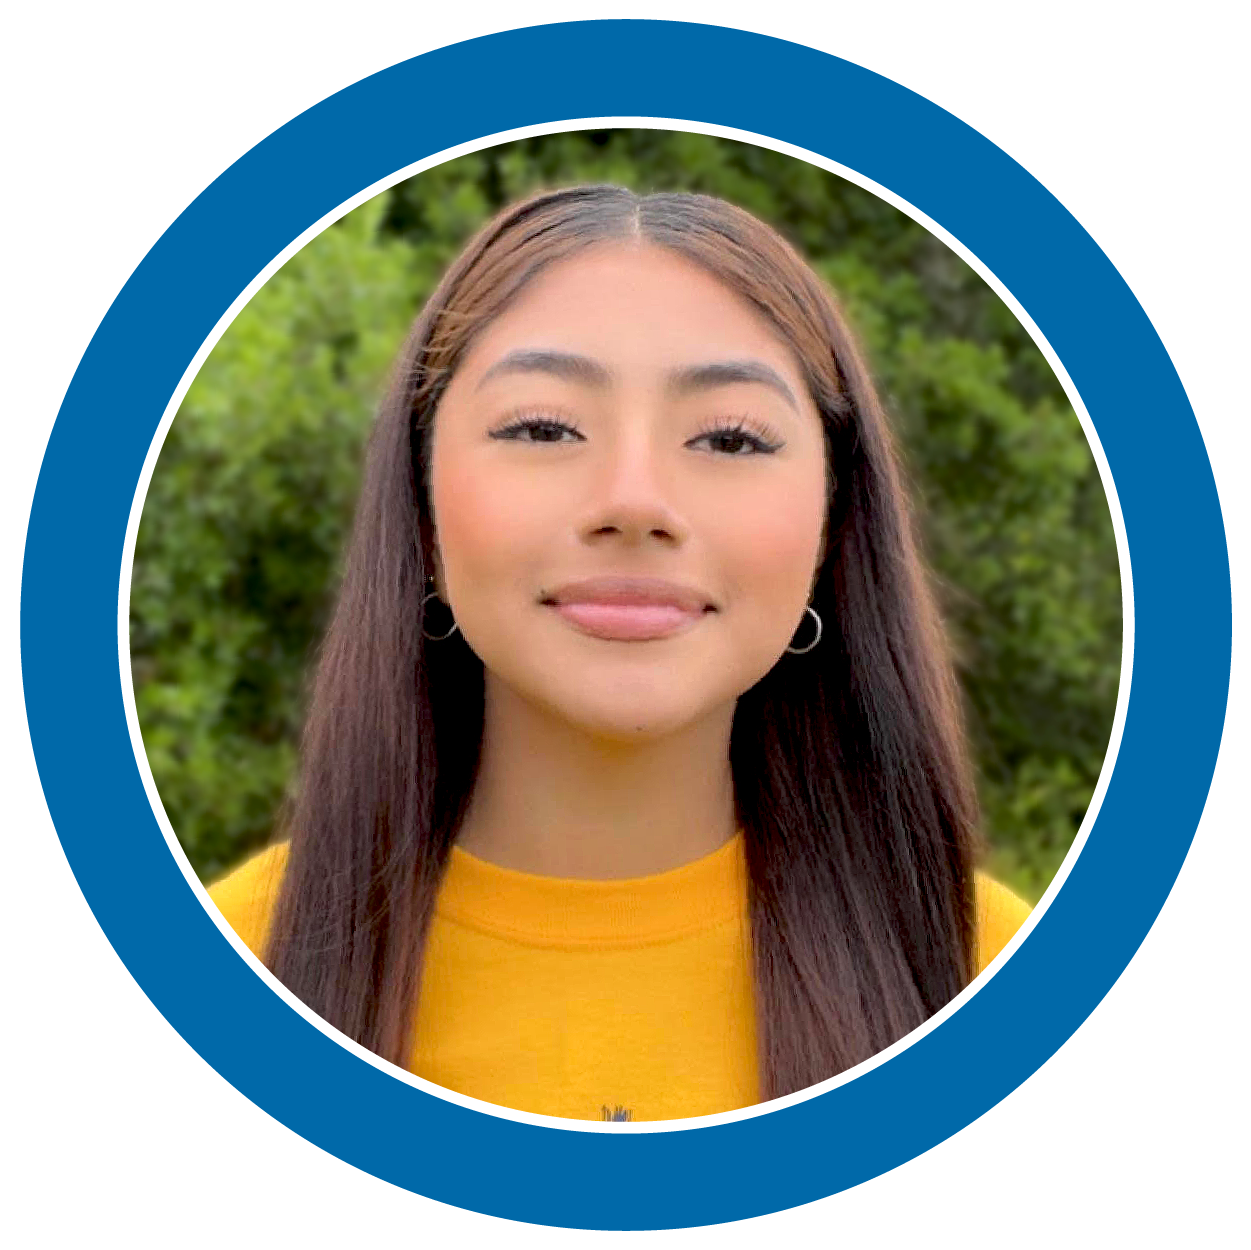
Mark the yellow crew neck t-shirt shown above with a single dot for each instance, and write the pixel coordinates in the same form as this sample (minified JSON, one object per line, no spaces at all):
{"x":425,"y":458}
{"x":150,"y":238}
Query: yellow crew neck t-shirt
{"x":588,"y":999}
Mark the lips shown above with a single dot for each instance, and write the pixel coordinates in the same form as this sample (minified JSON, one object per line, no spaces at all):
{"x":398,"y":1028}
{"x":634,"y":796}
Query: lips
{"x":629,"y":609}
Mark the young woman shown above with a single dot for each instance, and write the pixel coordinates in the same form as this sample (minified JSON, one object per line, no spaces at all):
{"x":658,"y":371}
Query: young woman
{"x":633,"y":784}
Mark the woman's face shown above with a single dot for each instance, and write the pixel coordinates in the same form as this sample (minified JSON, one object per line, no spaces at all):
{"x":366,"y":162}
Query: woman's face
{"x":628,"y":484}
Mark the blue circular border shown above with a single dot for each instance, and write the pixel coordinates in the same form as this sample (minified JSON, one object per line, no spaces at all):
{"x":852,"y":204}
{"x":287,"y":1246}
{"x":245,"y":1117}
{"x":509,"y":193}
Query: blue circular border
{"x":539,"y":76}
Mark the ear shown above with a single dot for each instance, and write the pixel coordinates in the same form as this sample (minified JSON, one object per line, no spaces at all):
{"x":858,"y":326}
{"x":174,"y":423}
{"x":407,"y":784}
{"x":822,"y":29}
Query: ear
{"x":436,"y":561}
{"x":428,"y":545}
{"x":824,"y":552}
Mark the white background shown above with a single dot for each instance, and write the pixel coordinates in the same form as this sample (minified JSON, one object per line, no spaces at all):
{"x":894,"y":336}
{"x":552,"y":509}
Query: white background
{"x":117,"y":115}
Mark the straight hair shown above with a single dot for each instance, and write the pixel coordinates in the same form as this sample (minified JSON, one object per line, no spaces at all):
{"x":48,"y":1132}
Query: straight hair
{"x":851,"y":775}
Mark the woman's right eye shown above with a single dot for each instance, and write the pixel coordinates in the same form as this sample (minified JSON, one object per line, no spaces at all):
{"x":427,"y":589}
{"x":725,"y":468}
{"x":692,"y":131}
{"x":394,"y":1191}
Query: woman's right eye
{"x":539,"y":430}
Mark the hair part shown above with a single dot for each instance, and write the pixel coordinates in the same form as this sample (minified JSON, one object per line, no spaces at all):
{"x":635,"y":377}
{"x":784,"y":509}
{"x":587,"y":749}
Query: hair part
{"x":850,"y":768}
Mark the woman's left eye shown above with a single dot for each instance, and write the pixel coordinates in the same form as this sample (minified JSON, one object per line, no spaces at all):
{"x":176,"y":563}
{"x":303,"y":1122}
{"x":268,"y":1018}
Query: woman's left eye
{"x":735,"y":440}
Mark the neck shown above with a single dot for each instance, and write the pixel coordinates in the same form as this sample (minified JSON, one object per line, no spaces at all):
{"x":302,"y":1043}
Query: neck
{"x":553,"y":800}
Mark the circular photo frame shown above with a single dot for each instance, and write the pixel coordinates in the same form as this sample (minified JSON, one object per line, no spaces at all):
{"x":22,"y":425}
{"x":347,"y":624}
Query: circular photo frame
{"x":671,"y":1174}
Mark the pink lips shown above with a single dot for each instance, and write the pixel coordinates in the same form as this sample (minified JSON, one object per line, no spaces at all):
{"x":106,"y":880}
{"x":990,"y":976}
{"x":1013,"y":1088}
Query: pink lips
{"x":628,"y":609}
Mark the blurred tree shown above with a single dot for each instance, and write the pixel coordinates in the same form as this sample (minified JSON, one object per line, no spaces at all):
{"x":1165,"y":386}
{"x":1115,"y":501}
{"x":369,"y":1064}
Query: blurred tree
{"x":237,"y":554}
{"x":241,"y":530}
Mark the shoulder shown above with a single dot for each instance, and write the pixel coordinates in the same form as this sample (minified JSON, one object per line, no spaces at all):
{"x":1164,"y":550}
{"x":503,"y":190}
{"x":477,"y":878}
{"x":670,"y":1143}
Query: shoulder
{"x":1000,"y":913}
{"x":246,"y":896}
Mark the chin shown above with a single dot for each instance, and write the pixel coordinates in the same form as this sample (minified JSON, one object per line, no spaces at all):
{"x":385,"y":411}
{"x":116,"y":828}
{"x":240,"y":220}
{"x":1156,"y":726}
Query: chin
{"x":630,"y":717}
{"x":631,"y":731}
{"x":631,"y":704}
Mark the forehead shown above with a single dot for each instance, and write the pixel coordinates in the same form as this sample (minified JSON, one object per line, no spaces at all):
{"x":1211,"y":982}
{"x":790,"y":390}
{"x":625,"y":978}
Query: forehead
{"x":636,"y":307}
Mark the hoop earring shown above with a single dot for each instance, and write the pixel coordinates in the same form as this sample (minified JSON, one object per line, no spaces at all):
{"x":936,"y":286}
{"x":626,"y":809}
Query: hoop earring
{"x":434,"y":594}
{"x":817,"y":639}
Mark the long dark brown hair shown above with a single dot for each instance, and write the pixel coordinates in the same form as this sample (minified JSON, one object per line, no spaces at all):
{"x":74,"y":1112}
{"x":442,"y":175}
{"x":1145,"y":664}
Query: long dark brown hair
{"x":851,"y":777}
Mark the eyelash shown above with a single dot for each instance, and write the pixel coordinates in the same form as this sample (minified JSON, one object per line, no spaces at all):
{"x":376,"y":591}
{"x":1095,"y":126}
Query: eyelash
{"x":758,"y":441}
{"x":524,"y":422}
{"x":761,"y":441}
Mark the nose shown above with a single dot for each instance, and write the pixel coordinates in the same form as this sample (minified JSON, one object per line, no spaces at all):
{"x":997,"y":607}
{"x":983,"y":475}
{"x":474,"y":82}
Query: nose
{"x":633,"y":498}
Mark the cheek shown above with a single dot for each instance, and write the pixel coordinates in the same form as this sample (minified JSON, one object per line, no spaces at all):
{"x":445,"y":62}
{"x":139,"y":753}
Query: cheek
{"x":771,"y":545}
{"x":486,"y":523}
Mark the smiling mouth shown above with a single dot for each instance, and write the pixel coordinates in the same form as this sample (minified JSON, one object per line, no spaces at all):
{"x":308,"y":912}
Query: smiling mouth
{"x":621,"y":609}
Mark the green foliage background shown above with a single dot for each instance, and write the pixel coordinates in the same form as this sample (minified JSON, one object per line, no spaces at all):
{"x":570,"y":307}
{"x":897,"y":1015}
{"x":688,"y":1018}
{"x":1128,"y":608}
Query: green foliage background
{"x":239,"y":546}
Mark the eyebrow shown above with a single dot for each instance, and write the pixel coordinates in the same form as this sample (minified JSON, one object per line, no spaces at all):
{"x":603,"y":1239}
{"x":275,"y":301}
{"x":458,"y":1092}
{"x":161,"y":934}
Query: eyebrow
{"x":690,"y":379}
{"x":695,"y":378}
{"x":565,"y":365}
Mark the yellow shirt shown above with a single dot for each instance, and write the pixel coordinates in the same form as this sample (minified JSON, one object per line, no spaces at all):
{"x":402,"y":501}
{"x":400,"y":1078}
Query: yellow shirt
{"x":588,"y":999}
